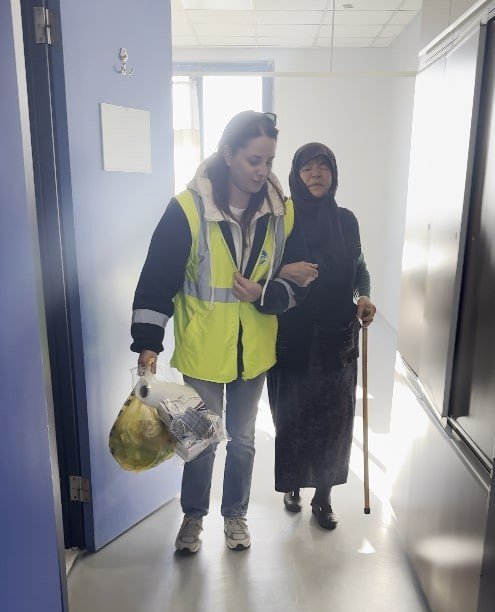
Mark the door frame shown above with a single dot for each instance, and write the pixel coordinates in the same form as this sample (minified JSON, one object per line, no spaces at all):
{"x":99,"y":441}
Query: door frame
{"x":49,"y":139}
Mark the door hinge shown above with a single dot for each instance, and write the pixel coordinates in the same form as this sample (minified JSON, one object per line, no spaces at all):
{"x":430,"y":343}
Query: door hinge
{"x":80,"y":489}
{"x":46,"y":26}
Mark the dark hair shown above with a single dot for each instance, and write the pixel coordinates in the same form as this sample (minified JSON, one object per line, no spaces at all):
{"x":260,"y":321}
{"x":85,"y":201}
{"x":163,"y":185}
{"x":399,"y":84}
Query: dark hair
{"x":239,"y":130}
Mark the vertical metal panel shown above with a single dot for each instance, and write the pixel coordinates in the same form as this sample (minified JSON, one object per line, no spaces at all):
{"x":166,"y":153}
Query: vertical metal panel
{"x":440,"y":496}
{"x":487,"y":586}
{"x":456,"y":132}
{"x":440,"y":180}
{"x":474,"y":384}
{"x":421,"y":201}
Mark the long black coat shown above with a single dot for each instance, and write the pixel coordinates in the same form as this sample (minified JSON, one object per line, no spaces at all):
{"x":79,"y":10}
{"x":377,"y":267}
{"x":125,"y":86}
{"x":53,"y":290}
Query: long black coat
{"x":312,"y":388}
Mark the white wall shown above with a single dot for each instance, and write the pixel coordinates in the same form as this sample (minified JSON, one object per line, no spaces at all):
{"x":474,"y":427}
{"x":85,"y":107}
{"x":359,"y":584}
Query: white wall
{"x":351,"y":116}
{"x":403,"y":56}
{"x":366,"y":120}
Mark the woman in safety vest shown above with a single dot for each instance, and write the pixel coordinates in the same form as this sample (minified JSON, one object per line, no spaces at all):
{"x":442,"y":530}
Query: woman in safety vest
{"x":212,"y":264}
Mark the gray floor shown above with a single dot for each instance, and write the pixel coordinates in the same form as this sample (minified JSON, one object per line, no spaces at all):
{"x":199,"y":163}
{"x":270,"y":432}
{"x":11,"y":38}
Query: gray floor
{"x":293,"y":565}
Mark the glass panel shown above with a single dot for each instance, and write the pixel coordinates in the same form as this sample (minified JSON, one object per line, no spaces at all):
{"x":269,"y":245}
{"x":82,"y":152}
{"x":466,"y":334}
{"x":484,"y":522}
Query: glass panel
{"x":187,"y":149}
{"x":223,"y":97}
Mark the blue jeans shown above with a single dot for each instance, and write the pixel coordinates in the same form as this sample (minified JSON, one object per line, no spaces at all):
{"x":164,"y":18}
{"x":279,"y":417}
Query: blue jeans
{"x":241,"y":409}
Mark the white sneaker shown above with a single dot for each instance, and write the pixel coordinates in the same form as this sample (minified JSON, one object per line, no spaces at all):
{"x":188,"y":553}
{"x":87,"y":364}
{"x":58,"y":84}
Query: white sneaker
{"x":188,"y":536}
{"x":237,"y":532}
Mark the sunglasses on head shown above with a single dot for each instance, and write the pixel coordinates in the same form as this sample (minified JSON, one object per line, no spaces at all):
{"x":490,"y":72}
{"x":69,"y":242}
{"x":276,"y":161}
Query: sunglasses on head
{"x":272,"y":117}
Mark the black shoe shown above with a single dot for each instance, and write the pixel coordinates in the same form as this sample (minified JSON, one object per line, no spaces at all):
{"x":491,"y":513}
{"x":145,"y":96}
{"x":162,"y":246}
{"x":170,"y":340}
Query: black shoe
{"x":292,"y":501}
{"x":324,"y":515}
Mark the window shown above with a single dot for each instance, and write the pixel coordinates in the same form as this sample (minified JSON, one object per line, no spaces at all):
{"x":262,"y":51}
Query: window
{"x":187,"y":136}
{"x":202,"y":105}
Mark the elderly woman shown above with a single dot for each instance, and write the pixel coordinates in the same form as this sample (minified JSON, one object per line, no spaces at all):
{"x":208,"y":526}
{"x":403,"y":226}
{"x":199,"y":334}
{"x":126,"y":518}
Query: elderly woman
{"x":312,"y":388}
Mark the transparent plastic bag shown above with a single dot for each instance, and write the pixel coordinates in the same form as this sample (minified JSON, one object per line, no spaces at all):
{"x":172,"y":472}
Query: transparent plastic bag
{"x":139,"y":440}
{"x":193,"y":426}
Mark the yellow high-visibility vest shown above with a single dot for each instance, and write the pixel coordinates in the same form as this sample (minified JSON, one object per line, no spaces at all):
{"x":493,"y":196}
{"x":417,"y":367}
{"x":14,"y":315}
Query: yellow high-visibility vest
{"x":207,"y":315}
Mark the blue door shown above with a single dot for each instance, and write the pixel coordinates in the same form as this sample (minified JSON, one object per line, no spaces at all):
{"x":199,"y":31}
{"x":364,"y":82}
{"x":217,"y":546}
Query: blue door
{"x":32,"y":575}
{"x":105,"y":219}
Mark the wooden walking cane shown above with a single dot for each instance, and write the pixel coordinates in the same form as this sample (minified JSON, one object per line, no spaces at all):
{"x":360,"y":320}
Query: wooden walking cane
{"x":367,"y":509}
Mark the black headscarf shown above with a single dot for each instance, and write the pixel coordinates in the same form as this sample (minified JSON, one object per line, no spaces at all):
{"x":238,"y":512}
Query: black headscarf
{"x":319,"y":216}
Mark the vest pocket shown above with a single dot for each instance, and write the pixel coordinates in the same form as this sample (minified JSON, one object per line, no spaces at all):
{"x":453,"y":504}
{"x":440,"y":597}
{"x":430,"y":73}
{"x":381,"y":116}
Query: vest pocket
{"x":191,"y":330}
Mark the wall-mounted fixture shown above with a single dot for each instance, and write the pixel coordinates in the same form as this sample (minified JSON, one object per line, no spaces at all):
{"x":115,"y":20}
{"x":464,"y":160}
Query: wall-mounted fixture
{"x":123,"y":56}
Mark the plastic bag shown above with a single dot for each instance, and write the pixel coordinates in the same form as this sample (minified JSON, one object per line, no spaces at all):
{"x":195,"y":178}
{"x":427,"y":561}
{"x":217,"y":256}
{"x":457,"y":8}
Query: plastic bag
{"x":193,"y":426}
{"x":139,"y":440}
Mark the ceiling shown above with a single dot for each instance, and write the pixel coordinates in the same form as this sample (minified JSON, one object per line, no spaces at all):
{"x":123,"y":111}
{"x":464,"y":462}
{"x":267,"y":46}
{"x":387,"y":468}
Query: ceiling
{"x":294,"y":23}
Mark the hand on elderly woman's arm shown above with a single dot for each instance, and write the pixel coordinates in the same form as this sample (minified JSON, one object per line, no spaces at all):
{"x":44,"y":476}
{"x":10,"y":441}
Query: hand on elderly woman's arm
{"x":301,"y":273}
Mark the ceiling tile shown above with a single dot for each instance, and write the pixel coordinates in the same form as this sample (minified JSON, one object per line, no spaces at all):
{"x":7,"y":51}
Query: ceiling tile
{"x":228,"y":41}
{"x":391,"y":31}
{"x":218,"y":29}
{"x":288,"y":30}
{"x":184,"y":41}
{"x":412,"y":5}
{"x":351,"y":31}
{"x":382,"y":42}
{"x":182,"y":29}
{"x":359,"y":17}
{"x":294,"y":23}
{"x":179,"y":17}
{"x":221,"y":16}
{"x":368,"y":5}
{"x":222,"y":5}
{"x":292,"y":5}
{"x":285,"y":41}
{"x":344,"y":42}
{"x":292,"y":17}
{"x":403,"y":17}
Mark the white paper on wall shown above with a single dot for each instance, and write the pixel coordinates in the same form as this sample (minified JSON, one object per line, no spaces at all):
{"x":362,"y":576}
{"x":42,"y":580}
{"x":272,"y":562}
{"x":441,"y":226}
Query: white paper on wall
{"x":126,"y":138}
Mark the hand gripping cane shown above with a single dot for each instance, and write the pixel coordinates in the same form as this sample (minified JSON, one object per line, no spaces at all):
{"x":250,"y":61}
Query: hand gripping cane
{"x":367,"y":509}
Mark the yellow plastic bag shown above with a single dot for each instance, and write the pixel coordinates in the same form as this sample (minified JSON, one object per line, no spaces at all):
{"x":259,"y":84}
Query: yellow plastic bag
{"x":138,"y":439}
